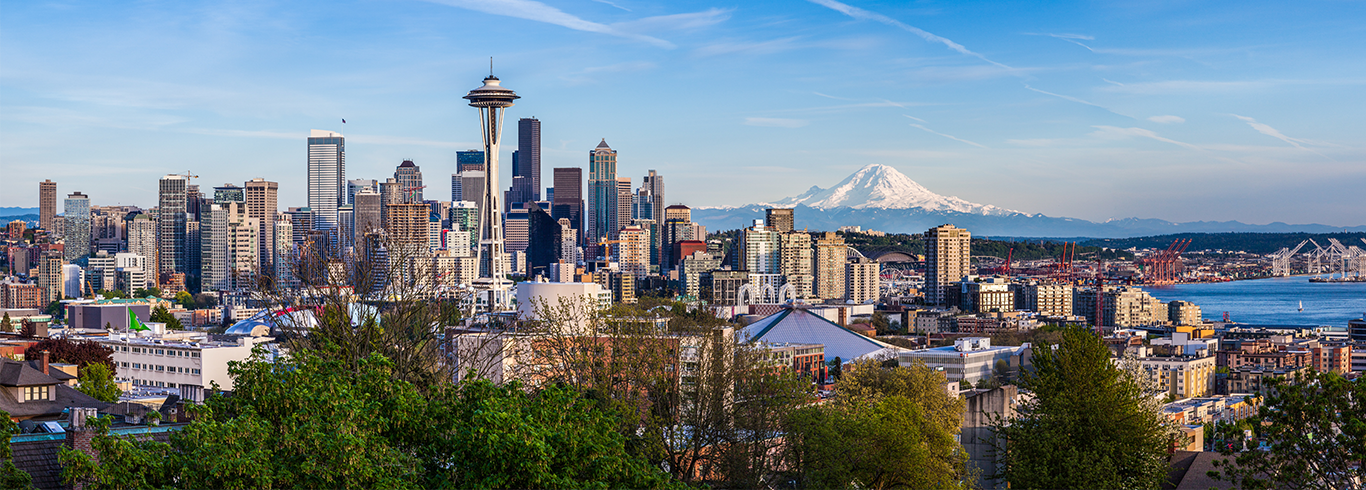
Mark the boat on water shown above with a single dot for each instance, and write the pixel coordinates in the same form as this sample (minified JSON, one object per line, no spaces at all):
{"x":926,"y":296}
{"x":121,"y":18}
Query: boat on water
{"x":1338,"y":279}
{"x":1301,"y":306}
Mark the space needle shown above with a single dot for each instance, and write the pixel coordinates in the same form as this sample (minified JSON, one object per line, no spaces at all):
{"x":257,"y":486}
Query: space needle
{"x":492,"y":286}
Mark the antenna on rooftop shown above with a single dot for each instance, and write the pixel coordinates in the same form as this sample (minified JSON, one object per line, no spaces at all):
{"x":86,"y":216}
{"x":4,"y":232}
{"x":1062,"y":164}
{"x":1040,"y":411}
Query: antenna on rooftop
{"x":490,"y":66}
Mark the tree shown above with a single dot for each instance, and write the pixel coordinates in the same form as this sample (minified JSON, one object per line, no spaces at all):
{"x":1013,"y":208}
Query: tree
{"x":55,"y":309}
{"x":82,"y":353}
{"x":10,"y":475}
{"x":97,"y":381}
{"x":318,"y":420}
{"x":143,"y":293}
{"x":883,"y":443}
{"x":162,"y":315}
{"x":1089,"y":425}
{"x":113,"y":294}
{"x":186,"y":299}
{"x":5,"y":323}
{"x":1314,"y":430}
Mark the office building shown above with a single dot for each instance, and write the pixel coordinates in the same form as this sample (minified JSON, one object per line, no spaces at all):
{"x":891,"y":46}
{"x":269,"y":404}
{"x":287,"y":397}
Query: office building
{"x":285,"y":256}
{"x":228,"y":193}
{"x":367,"y":213}
{"x":780,"y":220}
{"x":828,"y":268}
{"x":465,"y":217}
{"x":633,"y":253}
{"x":861,"y":280}
{"x":568,"y":201}
{"x":527,"y":159}
{"x":1045,"y":299}
{"x":653,"y":186}
{"x":354,"y":186}
{"x":472,"y":190}
{"x":602,"y":195}
{"x":409,"y":178}
{"x":761,"y":250}
{"x":469,"y":160}
{"x":543,"y":241}
{"x":171,"y":223}
{"x":326,"y":176}
{"x":47,"y":203}
{"x":623,"y":214}
{"x":515,"y":230}
{"x":948,"y":256}
{"x":795,"y":261}
{"x":50,"y":276}
{"x":76,"y":234}
{"x":262,"y":205}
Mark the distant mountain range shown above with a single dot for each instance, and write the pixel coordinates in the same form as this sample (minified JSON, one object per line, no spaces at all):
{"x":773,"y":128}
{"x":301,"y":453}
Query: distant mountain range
{"x":878,"y":197}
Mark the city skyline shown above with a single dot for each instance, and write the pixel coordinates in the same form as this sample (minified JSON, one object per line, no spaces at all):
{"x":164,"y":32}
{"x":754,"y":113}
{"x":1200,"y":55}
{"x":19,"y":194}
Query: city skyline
{"x":1177,"y":112}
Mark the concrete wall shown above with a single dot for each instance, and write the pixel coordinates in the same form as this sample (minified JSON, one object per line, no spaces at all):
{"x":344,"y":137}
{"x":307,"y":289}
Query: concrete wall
{"x":977,"y":436}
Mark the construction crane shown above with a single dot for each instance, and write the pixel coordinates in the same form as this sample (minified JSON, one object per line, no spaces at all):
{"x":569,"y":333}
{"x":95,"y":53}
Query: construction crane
{"x":1005,"y":269}
{"x":1280,"y":261}
{"x":411,"y":192}
{"x":1162,"y":266}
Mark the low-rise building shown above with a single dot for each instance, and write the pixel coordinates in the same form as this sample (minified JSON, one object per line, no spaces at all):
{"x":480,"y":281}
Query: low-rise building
{"x":1181,"y":376}
{"x":970,"y":359}
{"x":191,"y":366}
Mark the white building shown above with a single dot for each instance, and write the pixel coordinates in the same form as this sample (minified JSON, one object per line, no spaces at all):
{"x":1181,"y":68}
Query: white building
{"x":186,"y":364}
{"x":970,"y":358}
{"x":534,"y":298}
{"x":326,"y":176}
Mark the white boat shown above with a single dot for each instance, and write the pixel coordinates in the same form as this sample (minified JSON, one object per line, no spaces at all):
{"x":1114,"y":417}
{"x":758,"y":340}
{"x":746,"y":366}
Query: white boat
{"x":1301,"y":305}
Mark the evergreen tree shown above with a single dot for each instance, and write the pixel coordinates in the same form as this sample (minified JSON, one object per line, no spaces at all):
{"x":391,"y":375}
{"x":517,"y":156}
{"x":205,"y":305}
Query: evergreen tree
{"x":5,"y":324}
{"x":1089,"y":424}
{"x":162,"y":315}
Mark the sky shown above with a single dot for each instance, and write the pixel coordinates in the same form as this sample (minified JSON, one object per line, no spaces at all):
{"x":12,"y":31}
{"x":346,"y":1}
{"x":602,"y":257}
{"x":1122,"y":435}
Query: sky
{"x":1176,"y":110}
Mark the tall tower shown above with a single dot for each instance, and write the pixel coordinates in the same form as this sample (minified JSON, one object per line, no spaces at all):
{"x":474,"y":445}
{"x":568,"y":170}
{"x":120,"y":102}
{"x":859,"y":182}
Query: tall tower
{"x":262,"y":205}
{"x":602,"y":195}
{"x":409,"y":177}
{"x":326,"y":176}
{"x":47,"y":204}
{"x":529,"y":154}
{"x":948,"y":252}
{"x":492,"y":100}
{"x":568,"y":201}
{"x":77,"y":227}
{"x":171,"y":210}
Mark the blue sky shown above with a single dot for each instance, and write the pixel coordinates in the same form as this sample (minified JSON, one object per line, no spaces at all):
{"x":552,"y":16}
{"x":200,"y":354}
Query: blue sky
{"x":1177,"y":110}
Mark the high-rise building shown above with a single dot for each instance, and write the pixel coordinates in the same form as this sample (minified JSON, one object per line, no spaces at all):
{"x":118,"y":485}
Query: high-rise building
{"x":50,"y":276}
{"x":623,"y":213}
{"x":795,"y":252}
{"x":861,"y":280}
{"x":529,"y":155}
{"x":284,"y":250}
{"x":568,"y":201}
{"x":171,"y":222}
{"x":568,"y":242}
{"x":228,"y":193}
{"x":469,"y":160}
{"x":326,"y":176}
{"x":948,"y":255}
{"x":472,"y":190}
{"x":543,"y":241}
{"x":465,"y":217}
{"x":760,"y":250}
{"x":368,"y":215}
{"x":47,"y":204}
{"x":213,"y":254}
{"x":780,"y":219}
{"x":602,"y":195}
{"x":409,"y":177}
{"x":230,"y":246}
{"x":262,"y":204}
{"x":142,"y":240}
{"x":77,"y":227}
{"x":516,"y":230}
{"x":633,"y":253}
{"x":653,"y":185}
{"x":408,"y":227}
{"x":354,"y":186}
{"x":828,"y":266}
{"x":301,"y":222}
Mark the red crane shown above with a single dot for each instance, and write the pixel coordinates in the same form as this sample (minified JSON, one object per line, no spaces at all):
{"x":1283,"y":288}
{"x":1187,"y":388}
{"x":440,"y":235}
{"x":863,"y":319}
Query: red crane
{"x":1163,"y":267}
{"x":413,"y":196}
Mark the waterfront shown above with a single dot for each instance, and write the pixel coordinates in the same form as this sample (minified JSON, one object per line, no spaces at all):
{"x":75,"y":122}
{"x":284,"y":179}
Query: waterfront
{"x":1273,"y":301}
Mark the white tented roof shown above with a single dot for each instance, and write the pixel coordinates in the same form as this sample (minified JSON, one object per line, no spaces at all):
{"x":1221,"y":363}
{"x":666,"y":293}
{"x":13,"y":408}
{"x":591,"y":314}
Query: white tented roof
{"x":800,"y":326}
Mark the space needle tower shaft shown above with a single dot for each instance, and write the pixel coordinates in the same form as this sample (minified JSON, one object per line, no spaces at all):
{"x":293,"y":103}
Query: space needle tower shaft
{"x":492,"y":285}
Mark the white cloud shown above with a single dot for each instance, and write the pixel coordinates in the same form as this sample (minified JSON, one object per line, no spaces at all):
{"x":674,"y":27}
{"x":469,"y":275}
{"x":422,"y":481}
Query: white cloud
{"x":1272,"y":132}
{"x":775,"y":122}
{"x":1167,"y":119}
{"x":955,"y":138}
{"x":692,"y":20}
{"x":862,"y":14}
{"x":1111,"y":132}
{"x":1079,"y":101}
{"x":612,"y":4}
{"x":540,"y":12}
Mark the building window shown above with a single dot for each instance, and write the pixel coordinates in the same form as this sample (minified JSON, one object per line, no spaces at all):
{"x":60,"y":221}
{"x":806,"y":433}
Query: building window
{"x":35,"y":393}
{"x":196,"y":371}
{"x":161,"y":368}
{"x":161,"y":352}
{"x":194,"y":354}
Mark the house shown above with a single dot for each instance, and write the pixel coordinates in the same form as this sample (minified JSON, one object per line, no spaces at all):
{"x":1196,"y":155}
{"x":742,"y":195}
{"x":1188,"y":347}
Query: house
{"x":34,"y":390}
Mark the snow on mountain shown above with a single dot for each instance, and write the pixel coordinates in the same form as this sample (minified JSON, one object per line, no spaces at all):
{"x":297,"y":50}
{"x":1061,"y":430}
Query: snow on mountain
{"x":878,"y":186}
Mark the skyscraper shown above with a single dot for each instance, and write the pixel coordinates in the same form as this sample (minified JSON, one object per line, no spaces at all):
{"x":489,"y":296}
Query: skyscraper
{"x":409,"y":177}
{"x":77,"y":227}
{"x":529,"y":154}
{"x":829,"y":271}
{"x":171,"y":219}
{"x":47,"y":204}
{"x":948,"y":252}
{"x":369,"y":218}
{"x":262,"y":204}
{"x":623,"y":214}
{"x":142,"y":240}
{"x":796,"y":261}
{"x":780,"y":219}
{"x":761,"y":250}
{"x":355,"y":185}
{"x":228,"y":193}
{"x":469,"y":160}
{"x":491,"y":99}
{"x":602,"y":195}
{"x":653,"y":183}
{"x":568,"y":201}
{"x":326,"y":176}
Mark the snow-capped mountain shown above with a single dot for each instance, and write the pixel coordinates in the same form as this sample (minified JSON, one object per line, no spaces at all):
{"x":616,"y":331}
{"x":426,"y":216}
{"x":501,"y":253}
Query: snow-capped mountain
{"x":878,"y":186}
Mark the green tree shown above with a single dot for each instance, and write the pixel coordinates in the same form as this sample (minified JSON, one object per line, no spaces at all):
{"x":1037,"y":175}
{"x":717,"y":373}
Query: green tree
{"x":5,"y":324}
{"x":97,"y":381}
{"x":1089,"y":425}
{"x":1314,"y":430}
{"x":55,"y":309}
{"x":113,"y":294}
{"x":10,"y":475}
{"x":185,"y":299}
{"x":162,"y":315}
{"x":884,"y":443}
{"x":143,"y":293}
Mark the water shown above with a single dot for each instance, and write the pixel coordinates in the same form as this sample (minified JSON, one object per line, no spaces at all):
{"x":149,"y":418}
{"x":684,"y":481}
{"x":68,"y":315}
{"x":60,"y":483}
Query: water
{"x":1273,"y":301}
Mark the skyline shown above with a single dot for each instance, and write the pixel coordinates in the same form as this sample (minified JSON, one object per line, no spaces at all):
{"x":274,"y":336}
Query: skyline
{"x":1062,"y":110}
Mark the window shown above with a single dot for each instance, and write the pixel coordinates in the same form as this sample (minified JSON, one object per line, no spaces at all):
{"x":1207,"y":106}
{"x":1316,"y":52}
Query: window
{"x":125,"y":348}
{"x":123,"y":364}
{"x":194,"y":354}
{"x":161,"y":352}
{"x":35,"y":393}
{"x":196,"y":371}
{"x":137,"y":366}
{"x":161,"y":368}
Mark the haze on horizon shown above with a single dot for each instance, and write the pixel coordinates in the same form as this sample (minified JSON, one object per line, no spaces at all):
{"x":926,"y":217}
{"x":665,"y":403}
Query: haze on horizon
{"x":1245,"y":111}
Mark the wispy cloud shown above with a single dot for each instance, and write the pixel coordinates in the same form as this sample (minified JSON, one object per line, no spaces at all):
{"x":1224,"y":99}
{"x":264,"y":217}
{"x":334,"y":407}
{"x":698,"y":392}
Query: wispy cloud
{"x":1171,"y":87}
{"x":1112,"y":132}
{"x":776,"y":122}
{"x":949,"y":136}
{"x":1079,"y":101}
{"x":1071,"y":38}
{"x":1167,"y":119}
{"x":612,"y":4}
{"x":862,"y":14}
{"x":676,"y":22}
{"x":915,"y":118}
{"x":831,"y":96}
{"x":1274,"y":133}
{"x":755,"y":47}
{"x":540,"y":12}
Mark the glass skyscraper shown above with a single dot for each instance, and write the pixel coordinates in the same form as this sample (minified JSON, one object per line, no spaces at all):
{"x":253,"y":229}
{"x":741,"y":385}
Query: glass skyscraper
{"x":326,"y":176}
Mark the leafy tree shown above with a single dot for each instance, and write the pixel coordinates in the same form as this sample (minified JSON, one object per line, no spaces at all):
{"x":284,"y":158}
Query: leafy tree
{"x":162,"y":315}
{"x":1314,"y":427}
{"x":884,"y":443}
{"x":97,"y":381}
{"x":143,"y":293}
{"x":917,"y":383}
{"x":82,"y":353}
{"x":55,"y":309}
{"x":5,"y":323}
{"x":1089,"y":425}
{"x":10,"y":475}
{"x":317,"y":420}
{"x":113,"y":294}
{"x":186,"y":299}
